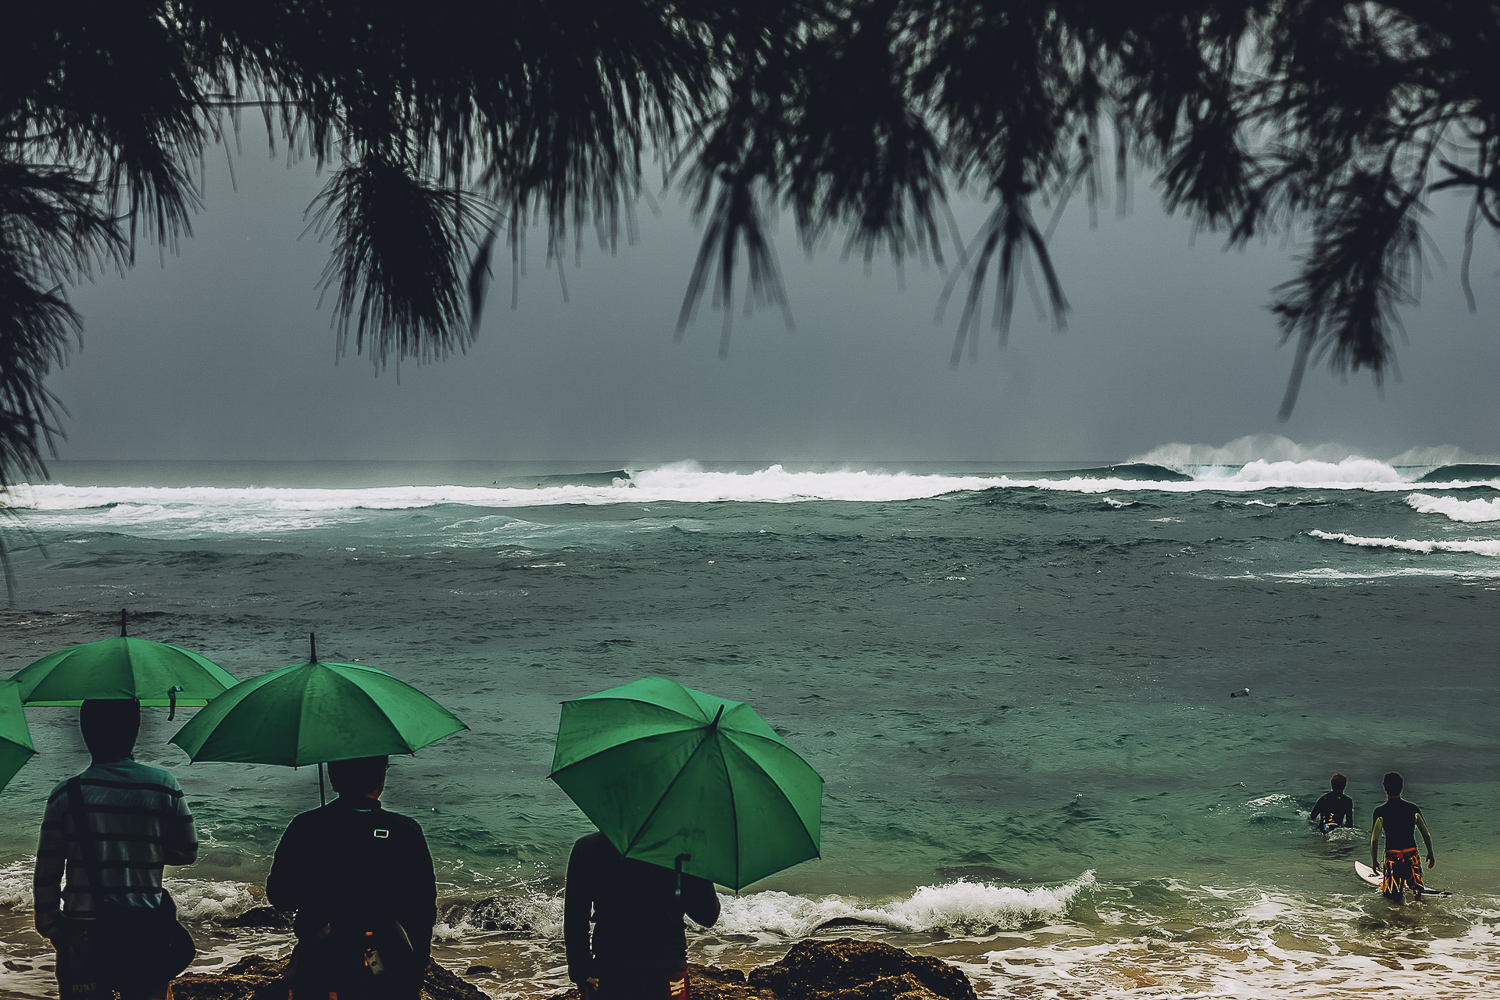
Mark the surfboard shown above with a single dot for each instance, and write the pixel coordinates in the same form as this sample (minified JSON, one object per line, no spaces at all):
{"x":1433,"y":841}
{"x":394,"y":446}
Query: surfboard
{"x":1369,"y":876}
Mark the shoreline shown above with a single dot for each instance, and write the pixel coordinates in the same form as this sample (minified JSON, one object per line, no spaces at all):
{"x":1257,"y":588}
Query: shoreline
{"x":842,"y":968}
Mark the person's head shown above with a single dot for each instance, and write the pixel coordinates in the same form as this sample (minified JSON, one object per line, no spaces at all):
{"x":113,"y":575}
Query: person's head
{"x":1393,"y":783}
{"x":1338,"y":781}
{"x":110,"y":727}
{"x":359,"y":777}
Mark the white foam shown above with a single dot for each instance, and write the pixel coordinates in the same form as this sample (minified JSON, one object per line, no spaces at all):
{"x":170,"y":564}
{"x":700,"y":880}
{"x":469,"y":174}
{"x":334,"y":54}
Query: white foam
{"x":195,"y":511}
{"x":1454,"y":509}
{"x":1478,"y":547}
{"x":1275,"y":947}
{"x":15,"y":884}
{"x":532,"y":913}
{"x":1363,"y":472}
{"x":961,"y":907}
{"x":209,"y":900}
{"x":196,"y":899}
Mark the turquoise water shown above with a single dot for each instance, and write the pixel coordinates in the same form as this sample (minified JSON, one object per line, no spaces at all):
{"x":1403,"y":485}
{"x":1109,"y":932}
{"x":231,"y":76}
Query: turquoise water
{"x":1015,"y":681}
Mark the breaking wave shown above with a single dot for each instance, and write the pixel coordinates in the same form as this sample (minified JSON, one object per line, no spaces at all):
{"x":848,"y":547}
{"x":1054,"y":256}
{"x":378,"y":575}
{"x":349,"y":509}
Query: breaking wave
{"x":1467,"y":511}
{"x":1480,"y":547}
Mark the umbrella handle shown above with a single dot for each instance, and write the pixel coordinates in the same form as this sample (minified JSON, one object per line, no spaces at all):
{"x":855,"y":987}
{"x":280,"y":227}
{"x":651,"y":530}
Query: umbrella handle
{"x":172,"y":701}
{"x":680,"y":859}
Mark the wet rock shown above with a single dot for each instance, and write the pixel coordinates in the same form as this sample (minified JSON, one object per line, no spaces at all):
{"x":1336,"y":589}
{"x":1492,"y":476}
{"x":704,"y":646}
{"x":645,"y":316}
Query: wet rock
{"x":507,"y":914}
{"x":265,"y":917}
{"x":845,"y":969}
{"x":841,"y":969}
{"x":260,"y":978}
{"x":707,"y":982}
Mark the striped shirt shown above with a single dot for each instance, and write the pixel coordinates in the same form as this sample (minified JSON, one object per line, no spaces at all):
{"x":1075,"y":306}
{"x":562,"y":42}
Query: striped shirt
{"x":136,"y":820}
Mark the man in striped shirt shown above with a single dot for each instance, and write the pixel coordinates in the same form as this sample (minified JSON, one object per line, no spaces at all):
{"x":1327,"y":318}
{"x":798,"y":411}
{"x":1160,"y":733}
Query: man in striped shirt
{"x":134,"y":820}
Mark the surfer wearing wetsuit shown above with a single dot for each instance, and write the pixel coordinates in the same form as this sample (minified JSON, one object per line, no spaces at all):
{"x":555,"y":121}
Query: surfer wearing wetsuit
{"x":1400,"y":820}
{"x":638,"y":949}
{"x":1334,"y":808}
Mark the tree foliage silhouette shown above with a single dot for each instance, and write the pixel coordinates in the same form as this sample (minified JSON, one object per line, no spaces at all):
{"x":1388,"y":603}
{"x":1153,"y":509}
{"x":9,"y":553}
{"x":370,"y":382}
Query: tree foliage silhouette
{"x":449,"y":127}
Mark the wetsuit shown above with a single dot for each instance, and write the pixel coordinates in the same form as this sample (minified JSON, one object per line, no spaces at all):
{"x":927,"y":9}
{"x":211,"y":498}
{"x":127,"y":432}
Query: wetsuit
{"x":360,"y":879}
{"x":1403,"y":867}
{"x":639,"y":947}
{"x":1333,"y":809}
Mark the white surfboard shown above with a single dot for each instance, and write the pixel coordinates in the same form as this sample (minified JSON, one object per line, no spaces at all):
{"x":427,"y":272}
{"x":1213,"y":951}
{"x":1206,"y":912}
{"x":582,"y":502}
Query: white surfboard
{"x":1372,"y":877}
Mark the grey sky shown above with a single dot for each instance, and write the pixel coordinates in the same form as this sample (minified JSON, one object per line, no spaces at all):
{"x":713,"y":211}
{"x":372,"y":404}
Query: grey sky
{"x":223,"y":353}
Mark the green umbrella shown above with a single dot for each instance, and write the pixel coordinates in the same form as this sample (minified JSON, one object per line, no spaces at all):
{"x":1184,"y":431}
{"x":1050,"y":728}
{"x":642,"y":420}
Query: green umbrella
{"x":312,"y":713}
{"x":15,"y":739}
{"x":674,"y":776}
{"x":154,"y":673}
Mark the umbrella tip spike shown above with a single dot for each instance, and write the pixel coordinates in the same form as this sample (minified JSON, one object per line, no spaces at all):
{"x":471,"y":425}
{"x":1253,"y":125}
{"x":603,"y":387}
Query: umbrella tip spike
{"x":122,"y":623}
{"x":312,"y":639}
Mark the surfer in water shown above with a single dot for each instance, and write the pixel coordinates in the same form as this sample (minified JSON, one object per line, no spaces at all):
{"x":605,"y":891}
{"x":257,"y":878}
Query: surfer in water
{"x":1334,"y":808}
{"x":1400,"y":820}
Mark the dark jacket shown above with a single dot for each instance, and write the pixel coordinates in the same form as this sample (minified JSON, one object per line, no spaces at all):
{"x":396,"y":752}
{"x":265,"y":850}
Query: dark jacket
{"x":352,"y":867}
{"x":636,"y":913}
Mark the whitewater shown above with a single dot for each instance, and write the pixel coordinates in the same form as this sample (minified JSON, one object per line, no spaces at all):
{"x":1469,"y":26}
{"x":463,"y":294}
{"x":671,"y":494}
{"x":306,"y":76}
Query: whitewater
{"x":1015,"y":681}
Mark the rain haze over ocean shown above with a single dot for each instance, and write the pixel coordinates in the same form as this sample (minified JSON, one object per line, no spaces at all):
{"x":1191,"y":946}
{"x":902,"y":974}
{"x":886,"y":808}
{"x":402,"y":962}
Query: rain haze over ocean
{"x":999,"y":606}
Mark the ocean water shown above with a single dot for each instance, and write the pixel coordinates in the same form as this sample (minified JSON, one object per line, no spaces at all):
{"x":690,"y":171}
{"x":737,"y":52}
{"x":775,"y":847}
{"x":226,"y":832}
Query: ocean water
{"x":1015,"y":680}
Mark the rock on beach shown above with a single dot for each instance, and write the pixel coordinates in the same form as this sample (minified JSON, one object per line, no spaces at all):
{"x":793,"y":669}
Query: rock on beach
{"x":840,"y":969}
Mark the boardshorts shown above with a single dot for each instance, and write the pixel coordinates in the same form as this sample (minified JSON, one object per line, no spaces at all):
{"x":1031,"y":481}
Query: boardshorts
{"x":1403,"y":867}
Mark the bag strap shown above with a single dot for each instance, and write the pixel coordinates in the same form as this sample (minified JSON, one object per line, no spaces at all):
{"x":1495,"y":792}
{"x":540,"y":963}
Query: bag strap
{"x":79,"y":813}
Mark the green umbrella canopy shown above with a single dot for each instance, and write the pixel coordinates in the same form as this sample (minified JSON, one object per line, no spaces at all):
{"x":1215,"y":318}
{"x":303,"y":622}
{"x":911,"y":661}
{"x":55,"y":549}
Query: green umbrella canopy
{"x":315,"y":712}
{"x":15,"y":738}
{"x":665,"y":771}
{"x":154,"y":673}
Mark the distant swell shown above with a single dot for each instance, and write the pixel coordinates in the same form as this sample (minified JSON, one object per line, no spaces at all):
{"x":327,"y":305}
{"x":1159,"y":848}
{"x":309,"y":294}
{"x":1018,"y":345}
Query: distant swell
{"x":1467,"y":511}
{"x":1479,"y":548}
{"x":1467,"y":472}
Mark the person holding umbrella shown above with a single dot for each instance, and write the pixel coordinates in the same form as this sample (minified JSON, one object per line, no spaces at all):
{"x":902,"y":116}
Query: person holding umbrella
{"x":112,"y":828}
{"x":687,"y":790}
{"x":361,"y":882}
{"x":639,"y":947}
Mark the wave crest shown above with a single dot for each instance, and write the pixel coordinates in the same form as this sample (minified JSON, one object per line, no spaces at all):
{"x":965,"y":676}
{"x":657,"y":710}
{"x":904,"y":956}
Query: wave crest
{"x":960,"y":907}
{"x":1466,"y":511}
{"x":1477,"y":547}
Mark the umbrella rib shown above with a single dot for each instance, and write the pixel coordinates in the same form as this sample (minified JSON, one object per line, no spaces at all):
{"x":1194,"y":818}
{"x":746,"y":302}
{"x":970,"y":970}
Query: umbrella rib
{"x":665,"y":792}
{"x":817,"y":850}
{"x":734,"y":811}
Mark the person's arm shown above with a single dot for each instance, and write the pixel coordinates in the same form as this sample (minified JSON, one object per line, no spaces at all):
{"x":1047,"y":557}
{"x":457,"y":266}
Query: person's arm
{"x":288,"y":878}
{"x":424,"y":900}
{"x":1426,"y":839}
{"x":1347,"y":819}
{"x":1317,"y":811}
{"x":578,"y":907}
{"x":699,"y":900}
{"x":51,"y":859}
{"x":179,"y":836}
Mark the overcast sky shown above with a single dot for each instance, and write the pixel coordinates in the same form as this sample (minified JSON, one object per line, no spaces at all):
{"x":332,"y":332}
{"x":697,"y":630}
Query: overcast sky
{"x":223,"y":353}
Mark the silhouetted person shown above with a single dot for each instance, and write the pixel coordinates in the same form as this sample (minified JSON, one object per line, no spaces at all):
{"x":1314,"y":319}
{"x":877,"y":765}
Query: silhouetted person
{"x":1334,"y":808}
{"x":1400,"y":820}
{"x":638,"y":949}
{"x":112,"y":828}
{"x":360,"y":880}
